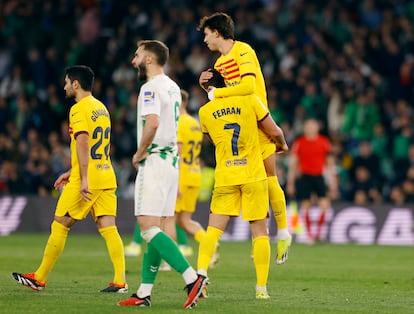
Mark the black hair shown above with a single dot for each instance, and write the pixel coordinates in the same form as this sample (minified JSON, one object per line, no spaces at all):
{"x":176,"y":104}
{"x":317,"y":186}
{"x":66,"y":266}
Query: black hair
{"x":217,"y":80}
{"x":83,"y":74}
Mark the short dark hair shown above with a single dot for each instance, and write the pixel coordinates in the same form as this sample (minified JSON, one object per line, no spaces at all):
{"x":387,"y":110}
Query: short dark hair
{"x":158,"y":48}
{"x":83,"y":74}
{"x":219,"y":21}
{"x":216,"y":80}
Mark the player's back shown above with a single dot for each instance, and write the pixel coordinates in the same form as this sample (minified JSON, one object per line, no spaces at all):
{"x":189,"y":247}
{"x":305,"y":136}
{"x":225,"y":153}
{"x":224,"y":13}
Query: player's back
{"x":90,"y":116}
{"x":231,"y":123}
{"x":190,"y":137}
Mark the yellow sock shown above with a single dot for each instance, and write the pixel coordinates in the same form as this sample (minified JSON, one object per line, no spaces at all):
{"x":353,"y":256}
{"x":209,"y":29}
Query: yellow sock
{"x":53,"y":249}
{"x":207,"y":246}
{"x":261,"y":259}
{"x":199,"y":235}
{"x":278,"y":202}
{"x":116,"y":252}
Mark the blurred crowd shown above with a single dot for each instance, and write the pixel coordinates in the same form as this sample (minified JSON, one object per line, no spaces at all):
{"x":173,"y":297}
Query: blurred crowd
{"x":348,"y":63}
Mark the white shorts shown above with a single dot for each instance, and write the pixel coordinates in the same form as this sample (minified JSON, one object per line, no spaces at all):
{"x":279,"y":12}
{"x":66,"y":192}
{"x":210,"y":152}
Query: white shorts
{"x":156,"y":187}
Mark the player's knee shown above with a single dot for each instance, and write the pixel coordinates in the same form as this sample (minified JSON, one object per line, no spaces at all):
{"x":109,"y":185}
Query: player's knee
{"x":150,"y":233}
{"x":66,"y":220}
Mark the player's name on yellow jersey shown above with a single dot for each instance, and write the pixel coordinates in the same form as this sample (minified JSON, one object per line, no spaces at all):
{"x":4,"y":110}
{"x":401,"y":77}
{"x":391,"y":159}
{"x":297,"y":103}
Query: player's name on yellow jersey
{"x":226,"y":111}
{"x":98,"y":113}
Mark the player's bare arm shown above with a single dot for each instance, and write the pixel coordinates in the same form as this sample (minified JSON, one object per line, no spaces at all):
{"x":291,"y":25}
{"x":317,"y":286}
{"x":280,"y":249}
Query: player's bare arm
{"x":275,"y":133}
{"x":82,"y":149}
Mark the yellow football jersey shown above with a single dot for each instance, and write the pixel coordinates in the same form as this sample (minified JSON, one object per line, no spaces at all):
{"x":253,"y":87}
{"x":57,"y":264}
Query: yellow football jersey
{"x":91,"y":117}
{"x":190,"y":136}
{"x":241,"y":61}
{"x":231,"y":123}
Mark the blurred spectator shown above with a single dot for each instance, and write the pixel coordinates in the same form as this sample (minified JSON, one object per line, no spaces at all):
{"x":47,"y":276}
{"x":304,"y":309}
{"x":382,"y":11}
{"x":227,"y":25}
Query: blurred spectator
{"x":12,"y":84}
{"x":360,"y":118}
{"x":364,"y":188}
{"x":366,"y":174}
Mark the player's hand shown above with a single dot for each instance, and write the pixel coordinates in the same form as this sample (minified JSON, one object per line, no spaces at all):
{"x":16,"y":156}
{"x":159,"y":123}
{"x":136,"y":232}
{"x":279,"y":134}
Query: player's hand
{"x":205,"y":76}
{"x":136,"y":159}
{"x":84,"y":190}
{"x":61,"y":181}
{"x":280,"y":149}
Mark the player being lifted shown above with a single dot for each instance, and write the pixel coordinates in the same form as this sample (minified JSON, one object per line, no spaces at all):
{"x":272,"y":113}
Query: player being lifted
{"x":239,"y":66}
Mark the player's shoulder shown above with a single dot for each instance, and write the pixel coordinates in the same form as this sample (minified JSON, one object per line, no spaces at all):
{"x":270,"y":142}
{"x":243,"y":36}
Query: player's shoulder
{"x":160,"y":83}
{"x":208,"y":107}
{"x":242,"y":47}
{"x":242,"y":44}
{"x":87,"y":103}
{"x":151,"y":84}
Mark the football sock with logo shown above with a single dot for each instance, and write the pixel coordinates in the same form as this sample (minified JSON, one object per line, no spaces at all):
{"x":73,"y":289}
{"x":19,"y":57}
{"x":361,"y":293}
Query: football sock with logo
{"x":278,"y":202}
{"x":53,"y":249}
{"x":169,"y":251}
{"x":150,"y":264}
{"x":181,"y":235}
{"x":207,"y":247}
{"x":116,"y":252}
{"x":261,"y":259}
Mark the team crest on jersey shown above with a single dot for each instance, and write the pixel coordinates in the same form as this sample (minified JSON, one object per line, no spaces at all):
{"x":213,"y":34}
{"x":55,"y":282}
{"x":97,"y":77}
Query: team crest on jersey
{"x":149,"y":97}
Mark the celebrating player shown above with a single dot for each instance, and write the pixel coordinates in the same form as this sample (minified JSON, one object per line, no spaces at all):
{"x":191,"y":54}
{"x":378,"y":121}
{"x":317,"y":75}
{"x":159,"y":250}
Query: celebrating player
{"x":239,"y":66}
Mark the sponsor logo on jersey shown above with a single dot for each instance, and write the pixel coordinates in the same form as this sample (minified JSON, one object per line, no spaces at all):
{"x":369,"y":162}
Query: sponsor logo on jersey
{"x":148,"y":97}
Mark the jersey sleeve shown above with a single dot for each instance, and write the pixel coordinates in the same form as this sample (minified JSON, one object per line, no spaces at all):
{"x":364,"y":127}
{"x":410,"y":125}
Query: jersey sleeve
{"x":78,"y":121}
{"x":245,"y":58}
{"x":202,"y":118}
{"x":259,"y":108}
{"x":151,"y":102}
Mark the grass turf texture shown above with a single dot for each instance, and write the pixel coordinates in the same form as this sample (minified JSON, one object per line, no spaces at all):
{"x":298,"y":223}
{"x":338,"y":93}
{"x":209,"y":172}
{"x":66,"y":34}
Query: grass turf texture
{"x":316,"y":279}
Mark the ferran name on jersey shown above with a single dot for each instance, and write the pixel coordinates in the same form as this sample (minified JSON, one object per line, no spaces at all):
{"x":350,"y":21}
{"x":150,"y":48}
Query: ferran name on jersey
{"x":149,"y":97}
{"x":226,"y":111}
{"x":236,"y":162}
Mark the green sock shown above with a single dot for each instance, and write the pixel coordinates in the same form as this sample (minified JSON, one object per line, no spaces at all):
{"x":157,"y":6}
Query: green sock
{"x":181,"y":235}
{"x":170,"y":252}
{"x":151,"y":261}
{"x":137,"y":234}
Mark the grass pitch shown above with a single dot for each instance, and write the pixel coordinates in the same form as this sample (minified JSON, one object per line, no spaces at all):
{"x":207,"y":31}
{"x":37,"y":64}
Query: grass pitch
{"x":316,"y":279}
